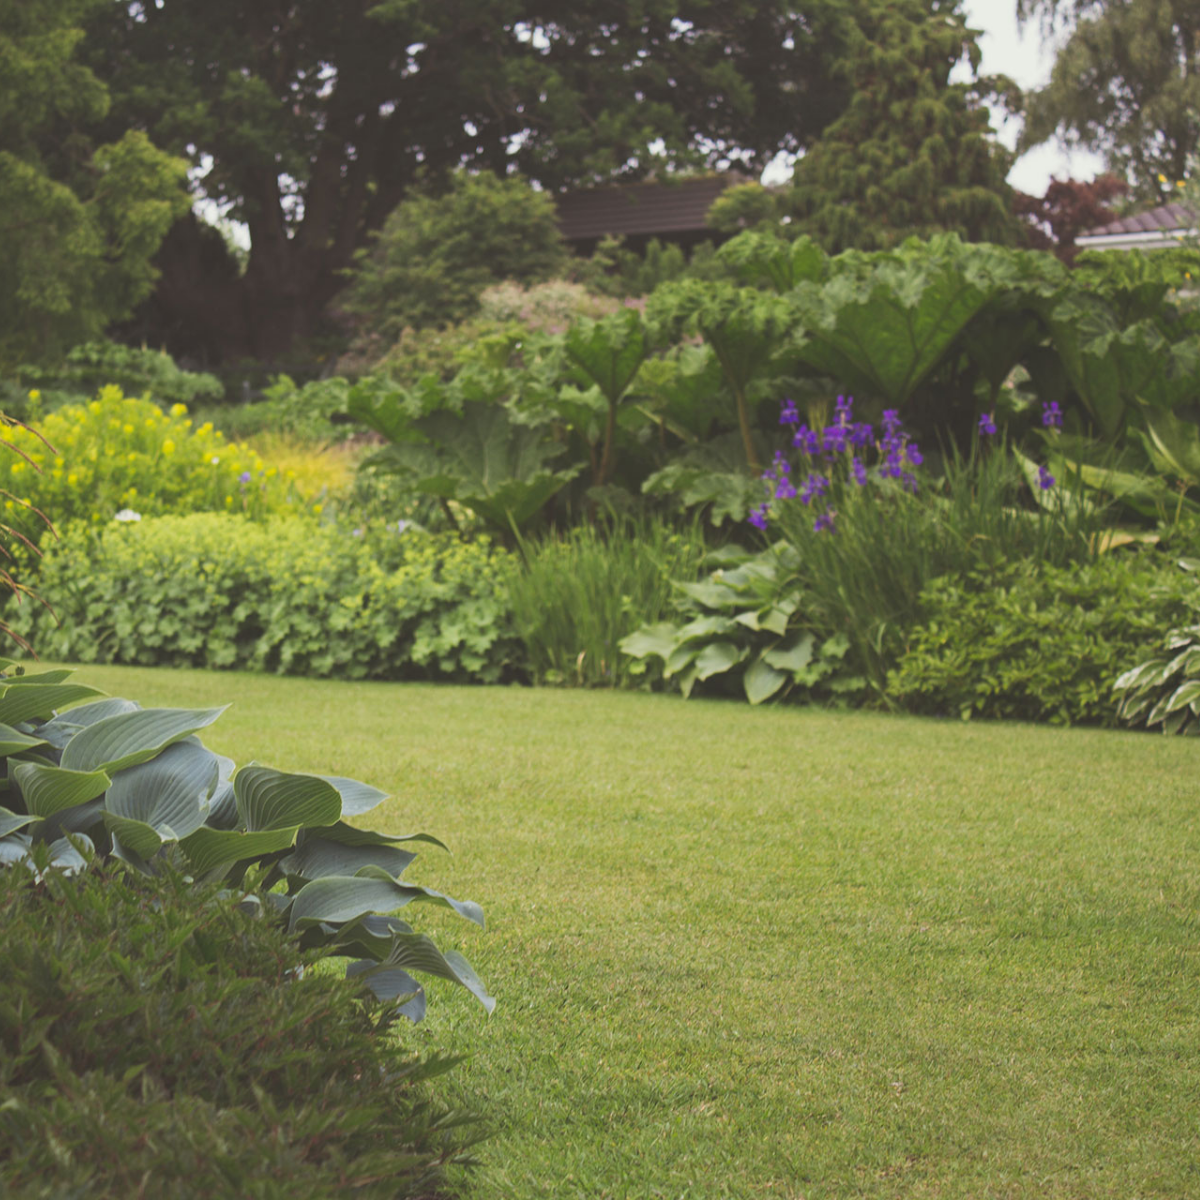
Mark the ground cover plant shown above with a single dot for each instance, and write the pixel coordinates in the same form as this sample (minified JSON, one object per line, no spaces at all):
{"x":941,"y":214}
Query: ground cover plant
{"x":158,"y":1039}
{"x":787,"y":952}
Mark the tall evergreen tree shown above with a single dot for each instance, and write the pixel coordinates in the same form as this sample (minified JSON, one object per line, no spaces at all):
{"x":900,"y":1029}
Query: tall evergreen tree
{"x":1125,"y":84}
{"x":913,"y":152}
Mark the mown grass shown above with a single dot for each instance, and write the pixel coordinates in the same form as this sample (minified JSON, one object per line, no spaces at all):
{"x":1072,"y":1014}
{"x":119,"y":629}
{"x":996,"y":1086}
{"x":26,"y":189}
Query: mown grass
{"x":781,"y":953}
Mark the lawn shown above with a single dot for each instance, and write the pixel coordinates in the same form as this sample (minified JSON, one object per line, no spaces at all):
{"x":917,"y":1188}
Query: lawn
{"x":783,"y":953}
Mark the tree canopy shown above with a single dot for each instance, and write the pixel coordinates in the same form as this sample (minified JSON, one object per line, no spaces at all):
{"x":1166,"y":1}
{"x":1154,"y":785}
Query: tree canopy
{"x":1125,"y":84}
{"x":80,"y":218}
{"x":311,"y":121}
{"x":912,"y":152}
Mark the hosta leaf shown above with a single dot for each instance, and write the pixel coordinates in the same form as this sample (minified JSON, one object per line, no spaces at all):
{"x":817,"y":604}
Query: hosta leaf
{"x":10,"y":822}
{"x":416,"y":952}
{"x":66,"y":854}
{"x":130,"y":738}
{"x":357,"y":797}
{"x":391,"y":984}
{"x":24,"y":703}
{"x":41,"y":678}
{"x":271,"y":799}
{"x":207,"y":849}
{"x":658,"y":640}
{"x":761,"y":681}
{"x":1158,"y":712}
{"x":718,"y":658}
{"x":337,"y":898}
{"x":15,"y":848}
{"x":1174,"y":721}
{"x":170,"y":790}
{"x":794,"y":656}
{"x":371,"y":935}
{"x":59,"y":731}
{"x":48,"y":790}
{"x":318,"y":857}
{"x":1185,"y":694}
{"x":347,"y":835}
{"x":13,"y":741}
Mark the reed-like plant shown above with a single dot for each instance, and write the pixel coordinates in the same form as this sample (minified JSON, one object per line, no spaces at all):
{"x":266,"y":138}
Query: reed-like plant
{"x":576,"y":594}
{"x":872,"y":528}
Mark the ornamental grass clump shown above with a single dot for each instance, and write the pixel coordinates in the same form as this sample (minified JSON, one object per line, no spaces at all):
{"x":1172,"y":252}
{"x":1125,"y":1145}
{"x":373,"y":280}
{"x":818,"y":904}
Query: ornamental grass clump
{"x":873,"y":527}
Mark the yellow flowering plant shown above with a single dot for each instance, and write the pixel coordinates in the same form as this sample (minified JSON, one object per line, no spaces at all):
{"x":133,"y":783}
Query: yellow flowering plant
{"x":120,"y":455}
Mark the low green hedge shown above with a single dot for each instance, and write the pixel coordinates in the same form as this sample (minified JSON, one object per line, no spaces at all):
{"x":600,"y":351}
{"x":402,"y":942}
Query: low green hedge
{"x":157,"y":1041}
{"x":1037,"y":642}
{"x":217,"y":590}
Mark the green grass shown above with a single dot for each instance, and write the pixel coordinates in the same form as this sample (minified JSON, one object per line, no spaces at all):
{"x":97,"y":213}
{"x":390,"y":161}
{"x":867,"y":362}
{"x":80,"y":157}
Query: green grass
{"x":779,"y":953}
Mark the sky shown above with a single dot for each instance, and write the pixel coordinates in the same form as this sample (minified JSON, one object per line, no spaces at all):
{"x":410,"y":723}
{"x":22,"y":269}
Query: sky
{"x":1026,"y":58}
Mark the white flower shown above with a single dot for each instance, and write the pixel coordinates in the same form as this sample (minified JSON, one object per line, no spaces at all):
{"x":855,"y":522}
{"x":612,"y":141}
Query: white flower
{"x":127,"y":514}
{"x":216,"y":458}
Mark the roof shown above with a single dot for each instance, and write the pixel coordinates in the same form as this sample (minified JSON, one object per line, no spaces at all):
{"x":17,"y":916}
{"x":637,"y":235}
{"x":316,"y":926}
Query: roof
{"x":1162,"y":226}
{"x":664,"y":206}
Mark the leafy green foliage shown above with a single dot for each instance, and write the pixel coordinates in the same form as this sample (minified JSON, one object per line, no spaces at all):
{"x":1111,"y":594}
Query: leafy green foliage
{"x":1124,"y":85}
{"x":1034,"y":641}
{"x":1165,"y":690}
{"x":109,"y":778}
{"x":87,"y":462}
{"x":151,"y":374}
{"x":743,"y":625}
{"x":82,"y":218}
{"x":284,"y":595}
{"x":157,"y":1037}
{"x":576,"y":595}
{"x":912,"y":152}
{"x":436,"y":254}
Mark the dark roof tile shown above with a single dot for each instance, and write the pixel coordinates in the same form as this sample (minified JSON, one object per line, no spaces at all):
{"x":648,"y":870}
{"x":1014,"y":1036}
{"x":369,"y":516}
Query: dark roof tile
{"x":642,"y":208}
{"x":1165,"y":217}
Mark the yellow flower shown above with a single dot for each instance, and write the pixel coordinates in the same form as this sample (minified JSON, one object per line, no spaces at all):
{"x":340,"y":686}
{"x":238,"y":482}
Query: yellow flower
{"x":18,"y":467}
{"x":205,"y":428}
{"x":151,"y":423}
{"x":126,"y":428}
{"x":95,"y":407}
{"x":168,"y":447}
{"x":72,"y":479}
{"x":179,"y":410}
{"x":228,"y":501}
{"x":1161,"y":177}
{"x":60,"y":462}
{"x":9,"y":505}
{"x":35,"y":395}
{"x":318,"y":509}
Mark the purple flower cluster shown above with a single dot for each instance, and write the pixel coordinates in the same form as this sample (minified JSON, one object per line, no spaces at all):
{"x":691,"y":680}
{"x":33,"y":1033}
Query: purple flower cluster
{"x":1051,"y":415}
{"x":987,"y":426}
{"x":823,"y":448}
{"x":1045,"y":480}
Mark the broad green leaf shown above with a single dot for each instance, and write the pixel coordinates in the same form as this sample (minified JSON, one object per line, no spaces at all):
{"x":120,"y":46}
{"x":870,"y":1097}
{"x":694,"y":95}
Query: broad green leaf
{"x":1183,"y":695}
{"x":607,"y":353}
{"x":717,"y":658}
{"x":10,"y":822}
{"x":416,"y":952}
{"x":161,"y":800}
{"x":207,"y":849}
{"x":348,"y":835}
{"x":318,"y":857}
{"x":761,"y":681}
{"x":40,"y":679}
{"x":48,"y":790}
{"x":271,"y":799}
{"x":658,"y":640}
{"x":794,"y":656}
{"x":19,"y":704}
{"x":15,"y":848}
{"x":66,"y":856}
{"x":65,"y":726}
{"x":391,"y":984}
{"x":127,"y":739}
{"x":713,"y":594}
{"x":357,"y":797}
{"x":337,"y":898}
{"x":13,"y":741}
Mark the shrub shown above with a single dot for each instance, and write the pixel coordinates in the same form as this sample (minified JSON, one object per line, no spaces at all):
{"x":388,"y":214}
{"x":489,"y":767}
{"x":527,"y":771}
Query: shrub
{"x":435,"y":254}
{"x":742,"y":630}
{"x":288,"y":408}
{"x":576,"y":595}
{"x":1037,"y":642}
{"x":283,"y":595}
{"x":152,"y":374}
{"x":118,"y":453}
{"x":111,"y":780}
{"x":157,"y":1040}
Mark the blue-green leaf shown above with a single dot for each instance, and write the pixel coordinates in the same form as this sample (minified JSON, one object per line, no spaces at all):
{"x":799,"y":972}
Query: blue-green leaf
{"x":127,"y":739}
{"x":271,"y":799}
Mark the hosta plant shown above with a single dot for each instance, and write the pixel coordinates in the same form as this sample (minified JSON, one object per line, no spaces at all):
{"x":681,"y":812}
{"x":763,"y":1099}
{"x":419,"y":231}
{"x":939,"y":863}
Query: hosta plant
{"x":741,"y":626}
{"x":1165,"y":690}
{"x":110,"y":779}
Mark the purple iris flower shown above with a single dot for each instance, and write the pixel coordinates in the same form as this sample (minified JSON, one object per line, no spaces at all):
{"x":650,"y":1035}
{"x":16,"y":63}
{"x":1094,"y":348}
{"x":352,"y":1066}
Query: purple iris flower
{"x":815,"y":486}
{"x":788,"y":414}
{"x":758,"y":516}
{"x":987,"y":427}
{"x":859,"y":472}
{"x":245,"y":477}
{"x":806,"y":441}
{"x":824,"y":523}
{"x":1052,"y":415}
{"x":1045,"y":480}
